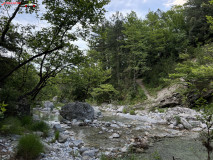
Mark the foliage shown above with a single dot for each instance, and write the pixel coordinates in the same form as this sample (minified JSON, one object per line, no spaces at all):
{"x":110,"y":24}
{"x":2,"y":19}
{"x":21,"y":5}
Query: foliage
{"x":196,"y":73}
{"x":27,"y":121}
{"x":2,"y":109}
{"x":139,"y":48}
{"x":57,"y":133}
{"x":132,"y":112}
{"x":104,"y":93}
{"x":198,"y":29}
{"x":20,"y":82}
{"x":162,"y":110}
{"x":39,"y":55}
{"x":40,"y":126}
{"x":11,"y":125}
{"x":80,"y":82}
{"x":156,"y":156}
{"x":29,"y":147}
{"x":124,"y":111}
{"x":134,"y":97}
{"x":210,"y":18}
{"x":206,"y":136}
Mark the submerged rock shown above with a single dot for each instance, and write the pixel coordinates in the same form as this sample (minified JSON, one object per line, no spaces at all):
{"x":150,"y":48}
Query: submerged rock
{"x":77,"y":110}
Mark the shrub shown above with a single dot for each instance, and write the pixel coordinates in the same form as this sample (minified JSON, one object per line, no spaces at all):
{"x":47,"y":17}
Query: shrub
{"x":124,"y":111}
{"x":156,"y":156}
{"x":162,"y":110}
{"x":40,"y":126}
{"x":104,"y":93}
{"x":11,"y":125}
{"x":132,"y":112}
{"x":26,"y":121}
{"x":206,"y":136}
{"x":57,"y":133}
{"x":29,"y":147}
{"x":2,"y":109}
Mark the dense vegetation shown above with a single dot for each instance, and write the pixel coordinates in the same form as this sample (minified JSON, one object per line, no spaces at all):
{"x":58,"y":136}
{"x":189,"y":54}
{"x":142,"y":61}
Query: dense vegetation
{"x":165,"y":45}
{"x":174,"y":46}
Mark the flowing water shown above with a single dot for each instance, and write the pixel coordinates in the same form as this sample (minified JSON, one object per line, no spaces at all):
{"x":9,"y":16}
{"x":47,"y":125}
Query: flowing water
{"x":178,"y":148}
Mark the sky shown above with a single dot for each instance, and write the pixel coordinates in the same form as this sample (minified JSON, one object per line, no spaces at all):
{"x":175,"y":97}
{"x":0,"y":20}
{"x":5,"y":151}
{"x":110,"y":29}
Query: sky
{"x":141,"y":7}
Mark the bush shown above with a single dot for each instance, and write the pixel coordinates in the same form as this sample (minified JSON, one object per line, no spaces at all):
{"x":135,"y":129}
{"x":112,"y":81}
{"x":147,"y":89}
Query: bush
{"x":2,"y":109}
{"x":40,"y":126}
{"x":124,"y":111}
{"x":104,"y":93}
{"x":57,"y":133}
{"x":26,"y":121}
{"x":132,"y":112}
{"x":162,"y":110}
{"x":11,"y":125}
{"x":29,"y":147}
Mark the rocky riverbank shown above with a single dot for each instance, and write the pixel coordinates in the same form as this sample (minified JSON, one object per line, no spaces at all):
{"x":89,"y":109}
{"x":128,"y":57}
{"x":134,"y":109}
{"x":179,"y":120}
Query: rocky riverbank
{"x":112,"y":132}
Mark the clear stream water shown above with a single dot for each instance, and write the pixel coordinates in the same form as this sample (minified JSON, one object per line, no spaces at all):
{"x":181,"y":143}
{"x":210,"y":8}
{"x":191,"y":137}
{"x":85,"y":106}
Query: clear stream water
{"x":181,"y":148}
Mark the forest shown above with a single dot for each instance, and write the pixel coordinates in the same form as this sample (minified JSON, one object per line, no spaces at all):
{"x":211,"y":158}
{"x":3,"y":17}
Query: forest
{"x":164,"y":48}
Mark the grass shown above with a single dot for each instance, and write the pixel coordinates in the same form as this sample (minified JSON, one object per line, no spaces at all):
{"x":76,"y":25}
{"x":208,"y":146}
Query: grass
{"x":11,"y":125}
{"x":57,"y":133}
{"x":29,"y":147}
{"x":127,"y":157}
{"x":162,"y":110}
{"x":26,"y":121}
{"x":132,"y":112}
{"x":14,"y":125}
{"x":124,"y":111}
{"x":40,"y":126}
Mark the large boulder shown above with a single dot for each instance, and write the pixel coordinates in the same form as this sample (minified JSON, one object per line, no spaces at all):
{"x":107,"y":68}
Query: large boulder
{"x":77,"y":110}
{"x":170,"y":101}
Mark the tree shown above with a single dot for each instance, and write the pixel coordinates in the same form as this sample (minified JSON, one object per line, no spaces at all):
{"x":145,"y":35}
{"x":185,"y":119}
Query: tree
{"x":206,"y":136}
{"x":63,"y":16}
{"x":107,"y":41}
{"x":198,"y":28}
{"x":50,"y":48}
{"x":197,"y":73}
{"x":210,"y":18}
{"x":79,"y":82}
{"x":165,"y":39}
{"x":134,"y":38}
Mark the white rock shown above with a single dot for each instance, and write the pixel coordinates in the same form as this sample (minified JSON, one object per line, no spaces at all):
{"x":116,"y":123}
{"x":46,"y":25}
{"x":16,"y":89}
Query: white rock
{"x":171,"y":126}
{"x":120,"y":109}
{"x":197,"y":129}
{"x":185,"y":123}
{"x":115,"y":135}
{"x":124,"y":149}
{"x":115,"y":126}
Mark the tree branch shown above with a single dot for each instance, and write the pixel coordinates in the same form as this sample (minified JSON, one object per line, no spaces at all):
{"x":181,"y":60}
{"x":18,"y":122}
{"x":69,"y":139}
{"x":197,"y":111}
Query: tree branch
{"x":7,"y":27}
{"x":27,"y":61}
